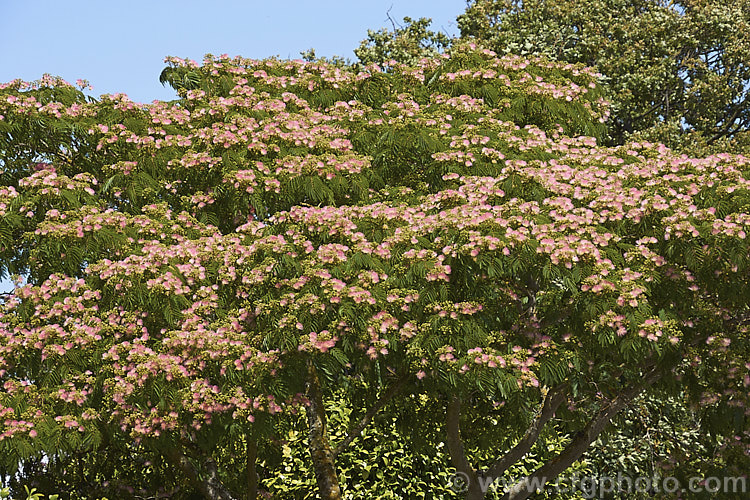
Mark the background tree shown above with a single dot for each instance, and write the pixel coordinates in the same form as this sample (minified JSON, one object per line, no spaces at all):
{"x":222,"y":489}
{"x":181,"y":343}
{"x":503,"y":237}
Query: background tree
{"x":407,"y":43}
{"x":675,"y":71}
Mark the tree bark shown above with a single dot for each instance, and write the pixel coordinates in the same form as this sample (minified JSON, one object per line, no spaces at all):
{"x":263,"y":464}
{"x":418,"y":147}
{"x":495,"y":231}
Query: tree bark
{"x":320,"y":449}
{"x":549,"y":471}
{"x":209,"y":484}
{"x":555,"y":397}
{"x":466,"y":478}
{"x":252,"y":475}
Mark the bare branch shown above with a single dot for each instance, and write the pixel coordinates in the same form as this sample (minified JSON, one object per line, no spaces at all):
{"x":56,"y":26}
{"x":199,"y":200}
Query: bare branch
{"x":388,"y":13}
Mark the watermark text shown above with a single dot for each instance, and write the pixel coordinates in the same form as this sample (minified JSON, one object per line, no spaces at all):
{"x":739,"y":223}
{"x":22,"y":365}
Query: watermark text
{"x":603,"y":486}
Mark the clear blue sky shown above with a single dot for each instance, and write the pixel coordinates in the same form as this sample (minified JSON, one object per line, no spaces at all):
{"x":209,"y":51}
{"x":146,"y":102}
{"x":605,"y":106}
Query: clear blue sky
{"x":119,"y":46}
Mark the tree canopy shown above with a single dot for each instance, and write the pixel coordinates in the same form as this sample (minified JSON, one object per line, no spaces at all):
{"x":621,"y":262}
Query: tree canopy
{"x":287,"y":232}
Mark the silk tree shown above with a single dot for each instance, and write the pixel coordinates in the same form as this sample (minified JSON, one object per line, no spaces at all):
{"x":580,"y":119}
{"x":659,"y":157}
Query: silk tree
{"x":203,"y":268}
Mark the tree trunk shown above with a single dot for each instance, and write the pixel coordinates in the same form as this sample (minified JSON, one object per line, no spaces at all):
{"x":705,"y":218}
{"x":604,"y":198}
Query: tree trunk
{"x":320,"y":448}
{"x":466,"y":479}
{"x":475,"y":491}
{"x":252,"y":475}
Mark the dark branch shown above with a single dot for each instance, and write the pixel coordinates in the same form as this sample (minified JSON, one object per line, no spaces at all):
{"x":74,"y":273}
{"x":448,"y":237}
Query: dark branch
{"x":727,"y":129}
{"x":455,"y":444}
{"x":388,"y":13}
{"x":582,"y":440}
{"x":555,"y":397}
{"x":356,"y":431}
{"x":206,"y":480}
{"x":251,"y":474}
